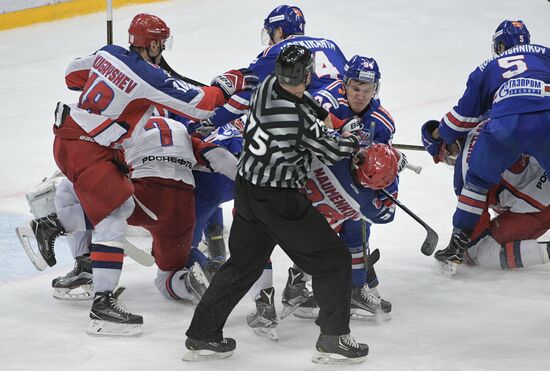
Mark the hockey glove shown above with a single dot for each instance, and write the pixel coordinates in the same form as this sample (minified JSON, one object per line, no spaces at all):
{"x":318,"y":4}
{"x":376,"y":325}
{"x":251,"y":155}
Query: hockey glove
{"x":401,"y":160}
{"x":435,"y":147}
{"x":352,"y":125}
{"x":234,"y":81}
{"x":204,"y":127}
{"x":382,"y":200}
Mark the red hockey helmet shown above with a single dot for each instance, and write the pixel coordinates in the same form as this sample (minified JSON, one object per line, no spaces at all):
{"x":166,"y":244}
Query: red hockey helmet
{"x":379,"y":167}
{"x":146,"y":28}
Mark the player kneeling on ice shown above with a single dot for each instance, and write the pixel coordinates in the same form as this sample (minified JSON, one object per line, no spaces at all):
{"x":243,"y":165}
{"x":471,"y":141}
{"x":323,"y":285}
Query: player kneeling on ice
{"x":161,"y":157}
{"x":521,"y":204}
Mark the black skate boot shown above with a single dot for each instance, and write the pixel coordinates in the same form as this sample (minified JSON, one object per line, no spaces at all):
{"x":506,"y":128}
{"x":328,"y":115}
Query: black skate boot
{"x":46,"y":230}
{"x":295,"y":292}
{"x":109,"y":318}
{"x":196,"y":282}
{"x":77,"y":284}
{"x":453,"y":255}
{"x":215,"y":242}
{"x":333,"y":349}
{"x":367,"y":304}
{"x":199,"y":350}
{"x":308,"y":309}
{"x":264,"y":320}
{"x":212,"y":267}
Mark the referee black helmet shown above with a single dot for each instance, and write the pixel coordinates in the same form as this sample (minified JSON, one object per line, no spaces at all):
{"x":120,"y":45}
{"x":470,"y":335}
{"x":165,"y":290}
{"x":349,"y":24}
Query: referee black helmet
{"x":293,"y":65}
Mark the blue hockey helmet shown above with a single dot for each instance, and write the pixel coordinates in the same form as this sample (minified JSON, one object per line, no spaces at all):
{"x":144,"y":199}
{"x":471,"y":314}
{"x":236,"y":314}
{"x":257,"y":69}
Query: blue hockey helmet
{"x":289,"y":18}
{"x":509,"y":34}
{"x":363,"y":69}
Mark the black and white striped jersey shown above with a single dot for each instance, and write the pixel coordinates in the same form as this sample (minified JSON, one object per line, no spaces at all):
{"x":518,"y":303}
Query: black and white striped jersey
{"x":282,"y":134}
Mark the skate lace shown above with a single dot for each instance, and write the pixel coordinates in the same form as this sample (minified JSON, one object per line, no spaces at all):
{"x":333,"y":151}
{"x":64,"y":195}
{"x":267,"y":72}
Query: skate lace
{"x":370,"y":296}
{"x":349,"y":341}
{"x":119,"y":307}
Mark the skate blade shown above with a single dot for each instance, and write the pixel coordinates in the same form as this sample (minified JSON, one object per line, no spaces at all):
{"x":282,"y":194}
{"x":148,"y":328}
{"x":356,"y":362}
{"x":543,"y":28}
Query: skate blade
{"x":306,"y":313}
{"x":266,"y":332}
{"x":363,"y":315}
{"x":204,"y":355}
{"x":335,"y":359}
{"x":446,"y":268}
{"x":106,"y":328}
{"x":25,"y":235}
{"x":81,"y":293}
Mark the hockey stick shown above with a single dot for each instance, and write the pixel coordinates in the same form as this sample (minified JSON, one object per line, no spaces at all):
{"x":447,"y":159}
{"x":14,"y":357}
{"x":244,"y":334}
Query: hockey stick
{"x":416,"y":168}
{"x":411,"y":147}
{"x":165,"y":66}
{"x":368,"y":258}
{"x":430,"y":243}
{"x":138,"y":254}
{"x":109,"y":22}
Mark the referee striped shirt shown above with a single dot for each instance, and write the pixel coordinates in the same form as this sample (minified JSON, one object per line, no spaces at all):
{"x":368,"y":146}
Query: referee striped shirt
{"x":282,"y":134}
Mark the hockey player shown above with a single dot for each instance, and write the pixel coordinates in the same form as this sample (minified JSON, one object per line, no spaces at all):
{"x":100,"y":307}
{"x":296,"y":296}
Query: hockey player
{"x":119,"y":87}
{"x":160,"y":158}
{"x":213,"y":189}
{"x":515,"y":86}
{"x":284,"y":25}
{"x":521,"y":201}
{"x":270,"y":209}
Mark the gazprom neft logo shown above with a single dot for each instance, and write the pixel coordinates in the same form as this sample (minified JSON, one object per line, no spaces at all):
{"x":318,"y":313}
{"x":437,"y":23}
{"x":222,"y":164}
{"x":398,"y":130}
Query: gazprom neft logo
{"x":520,"y":87}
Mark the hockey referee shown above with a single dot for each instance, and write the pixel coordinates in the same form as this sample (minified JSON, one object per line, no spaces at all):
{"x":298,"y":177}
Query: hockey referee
{"x":282,"y":134}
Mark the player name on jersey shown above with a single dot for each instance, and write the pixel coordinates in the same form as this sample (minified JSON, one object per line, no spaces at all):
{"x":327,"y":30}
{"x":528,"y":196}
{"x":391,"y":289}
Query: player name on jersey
{"x":113,"y":74}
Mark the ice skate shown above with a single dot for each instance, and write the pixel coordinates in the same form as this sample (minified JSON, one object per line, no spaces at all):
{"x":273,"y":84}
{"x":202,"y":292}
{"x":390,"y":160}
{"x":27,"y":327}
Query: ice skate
{"x":30,"y":245}
{"x":212,"y":267}
{"x":264,"y":320}
{"x":198,"y":350}
{"x":46,"y":230}
{"x":343,"y":349}
{"x":196,"y":282}
{"x":215,"y":244}
{"x":366,"y":304}
{"x":110,"y":318}
{"x":77,"y":284}
{"x":295,"y":292}
{"x":448,"y":259}
{"x":308,"y":309}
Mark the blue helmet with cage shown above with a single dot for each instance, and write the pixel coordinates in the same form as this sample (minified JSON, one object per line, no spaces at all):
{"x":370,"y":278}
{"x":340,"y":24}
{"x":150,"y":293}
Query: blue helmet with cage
{"x":289,"y":18}
{"x":363,"y":69}
{"x":509,"y":34}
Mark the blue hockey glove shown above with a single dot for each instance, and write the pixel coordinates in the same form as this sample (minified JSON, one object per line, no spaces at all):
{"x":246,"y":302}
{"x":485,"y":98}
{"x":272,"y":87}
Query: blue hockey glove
{"x":204,"y":127}
{"x":434,"y":147}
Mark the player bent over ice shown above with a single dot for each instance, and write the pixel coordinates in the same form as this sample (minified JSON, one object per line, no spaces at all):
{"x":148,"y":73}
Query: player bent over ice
{"x":515,"y":86}
{"x":520,"y":201}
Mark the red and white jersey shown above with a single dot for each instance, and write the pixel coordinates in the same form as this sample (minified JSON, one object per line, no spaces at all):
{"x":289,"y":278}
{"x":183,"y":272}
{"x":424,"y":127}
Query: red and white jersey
{"x":162,"y":149}
{"x":525,"y":191}
{"x":119,"y":85}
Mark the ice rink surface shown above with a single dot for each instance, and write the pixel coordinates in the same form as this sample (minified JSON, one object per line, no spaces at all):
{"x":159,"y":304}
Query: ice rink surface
{"x":480,"y":320}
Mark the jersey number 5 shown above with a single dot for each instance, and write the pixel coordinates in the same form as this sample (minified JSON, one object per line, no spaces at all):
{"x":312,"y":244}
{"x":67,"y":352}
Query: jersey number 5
{"x":514,"y":64}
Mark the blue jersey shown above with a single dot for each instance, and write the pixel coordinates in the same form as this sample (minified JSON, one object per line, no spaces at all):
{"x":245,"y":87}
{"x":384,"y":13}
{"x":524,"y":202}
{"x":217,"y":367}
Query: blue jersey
{"x":329,"y":66}
{"x":517,"y":81}
{"x":333,"y":98}
{"x":334,"y":193}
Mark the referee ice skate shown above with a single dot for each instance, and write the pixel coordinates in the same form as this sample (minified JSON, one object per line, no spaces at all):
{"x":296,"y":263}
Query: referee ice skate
{"x":282,"y":135}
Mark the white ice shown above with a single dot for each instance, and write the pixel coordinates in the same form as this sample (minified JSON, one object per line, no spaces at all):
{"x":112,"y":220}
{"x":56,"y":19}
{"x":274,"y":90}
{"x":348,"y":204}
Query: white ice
{"x":480,"y":320}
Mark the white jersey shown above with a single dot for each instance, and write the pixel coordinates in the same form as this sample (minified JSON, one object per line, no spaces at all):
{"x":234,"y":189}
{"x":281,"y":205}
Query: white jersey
{"x":526,"y":191}
{"x":162,"y":149}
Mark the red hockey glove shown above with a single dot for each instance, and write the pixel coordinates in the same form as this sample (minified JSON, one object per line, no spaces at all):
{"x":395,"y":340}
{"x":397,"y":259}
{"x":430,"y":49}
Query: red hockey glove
{"x":234,"y":81}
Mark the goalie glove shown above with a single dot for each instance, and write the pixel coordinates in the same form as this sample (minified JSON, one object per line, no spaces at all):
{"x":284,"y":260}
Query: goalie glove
{"x":234,"y":81}
{"x":435,"y":147}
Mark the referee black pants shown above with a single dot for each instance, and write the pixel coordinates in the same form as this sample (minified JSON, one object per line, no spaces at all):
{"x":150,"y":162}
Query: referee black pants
{"x":266,"y":217}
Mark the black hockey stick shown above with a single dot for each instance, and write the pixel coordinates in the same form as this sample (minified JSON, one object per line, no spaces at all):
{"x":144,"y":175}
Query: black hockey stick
{"x":369,"y":259}
{"x":165,"y":66}
{"x":412,"y":147}
{"x":430,"y":243}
